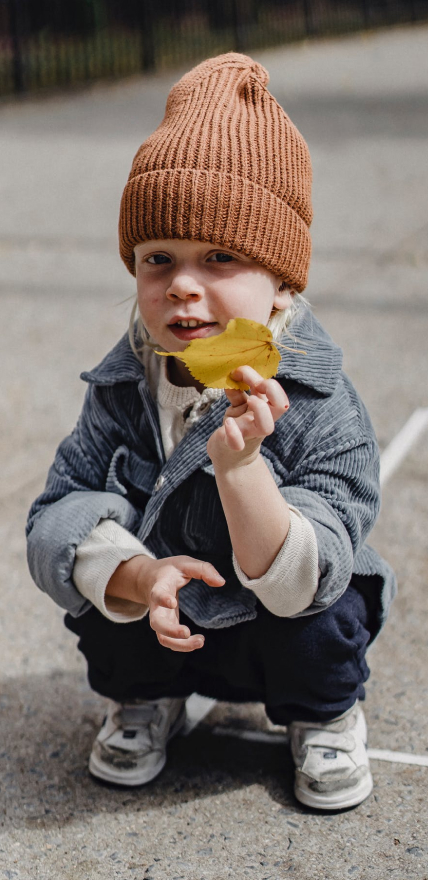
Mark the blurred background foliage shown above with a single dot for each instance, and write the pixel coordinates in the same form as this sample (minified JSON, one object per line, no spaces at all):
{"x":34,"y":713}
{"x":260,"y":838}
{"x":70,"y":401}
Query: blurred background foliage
{"x":49,"y":43}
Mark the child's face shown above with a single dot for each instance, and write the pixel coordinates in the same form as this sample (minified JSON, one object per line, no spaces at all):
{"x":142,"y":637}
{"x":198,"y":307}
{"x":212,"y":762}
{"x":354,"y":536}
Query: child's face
{"x":181,"y":281}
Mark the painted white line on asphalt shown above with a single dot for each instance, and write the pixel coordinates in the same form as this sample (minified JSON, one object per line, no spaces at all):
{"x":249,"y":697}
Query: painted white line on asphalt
{"x":397,"y":450}
{"x":200,"y":707}
{"x":398,"y":757}
{"x":197,"y":708}
{"x":266,"y":736}
{"x":261,"y":736}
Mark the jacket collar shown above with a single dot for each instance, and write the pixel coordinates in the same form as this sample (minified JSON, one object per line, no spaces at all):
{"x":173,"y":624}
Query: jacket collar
{"x":119,"y":365}
{"x":319,"y":368}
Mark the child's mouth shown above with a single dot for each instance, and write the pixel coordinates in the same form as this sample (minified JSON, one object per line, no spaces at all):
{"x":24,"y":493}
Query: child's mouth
{"x":197,"y":330}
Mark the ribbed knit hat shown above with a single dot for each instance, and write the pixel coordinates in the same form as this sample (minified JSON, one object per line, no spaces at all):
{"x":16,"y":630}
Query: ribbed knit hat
{"x":225,"y":166}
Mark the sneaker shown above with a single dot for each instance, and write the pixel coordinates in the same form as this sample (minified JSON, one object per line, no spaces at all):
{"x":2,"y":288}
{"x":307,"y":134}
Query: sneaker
{"x":332,"y":766}
{"x":130,"y":748}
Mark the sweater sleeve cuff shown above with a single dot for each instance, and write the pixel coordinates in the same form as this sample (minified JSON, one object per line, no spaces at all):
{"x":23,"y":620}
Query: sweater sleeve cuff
{"x":97,"y":558}
{"x":289,"y":585}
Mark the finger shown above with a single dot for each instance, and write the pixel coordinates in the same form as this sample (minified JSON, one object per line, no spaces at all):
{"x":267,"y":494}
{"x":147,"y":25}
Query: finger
{"x":257,"y":422}
{"x":233,"y":412}
{"x":236,"y":398}
{"x":263,"y":421}
{"x":233,"y":436}
{"x":273,"y":391}
{"x":203,"y":571}
{"x":162,"y":597}
{"x":211,"y":576}
{"x":248,"y":375}
{"x":186,"y":646}
{"x":275,"y":395}
{"x":168,"y":628}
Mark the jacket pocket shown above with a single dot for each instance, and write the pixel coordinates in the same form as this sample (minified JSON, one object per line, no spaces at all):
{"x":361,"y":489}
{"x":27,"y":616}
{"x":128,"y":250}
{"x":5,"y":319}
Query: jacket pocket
{"x":129,"y":474}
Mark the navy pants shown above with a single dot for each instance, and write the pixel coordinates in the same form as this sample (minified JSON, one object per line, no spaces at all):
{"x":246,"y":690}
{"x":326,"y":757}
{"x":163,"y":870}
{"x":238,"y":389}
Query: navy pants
{"x":309,"y":668}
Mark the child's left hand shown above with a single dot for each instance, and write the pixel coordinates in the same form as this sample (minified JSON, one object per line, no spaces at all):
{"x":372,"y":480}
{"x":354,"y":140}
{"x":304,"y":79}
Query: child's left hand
{"x":249,"y":419}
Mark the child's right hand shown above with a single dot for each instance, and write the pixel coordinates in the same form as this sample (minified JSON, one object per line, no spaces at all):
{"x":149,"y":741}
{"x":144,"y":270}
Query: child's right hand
{"x":156,"y":582}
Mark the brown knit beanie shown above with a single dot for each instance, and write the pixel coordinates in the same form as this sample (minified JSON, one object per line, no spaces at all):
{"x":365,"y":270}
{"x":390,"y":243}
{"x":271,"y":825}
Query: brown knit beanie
{"x":225,"y":166}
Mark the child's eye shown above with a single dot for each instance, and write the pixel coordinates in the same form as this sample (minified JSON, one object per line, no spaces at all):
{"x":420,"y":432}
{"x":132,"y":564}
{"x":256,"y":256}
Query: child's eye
{"x":221,"y":257}
{"x":158,"y":259}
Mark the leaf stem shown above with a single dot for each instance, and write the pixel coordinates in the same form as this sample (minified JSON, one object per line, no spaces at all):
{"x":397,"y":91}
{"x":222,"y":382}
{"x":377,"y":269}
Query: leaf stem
{"x":287,"y":347}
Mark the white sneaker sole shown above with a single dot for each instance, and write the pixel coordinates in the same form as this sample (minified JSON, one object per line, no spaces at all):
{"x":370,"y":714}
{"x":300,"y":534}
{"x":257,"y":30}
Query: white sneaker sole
{"x":139,"y":775}
{"x":335,"y":800}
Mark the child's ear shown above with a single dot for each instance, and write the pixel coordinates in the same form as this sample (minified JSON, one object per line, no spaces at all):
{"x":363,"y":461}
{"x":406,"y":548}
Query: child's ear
{"x":283,"y":296}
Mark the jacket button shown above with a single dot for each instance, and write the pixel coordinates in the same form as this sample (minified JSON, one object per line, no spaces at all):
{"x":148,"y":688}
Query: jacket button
{"x":159,"y":483}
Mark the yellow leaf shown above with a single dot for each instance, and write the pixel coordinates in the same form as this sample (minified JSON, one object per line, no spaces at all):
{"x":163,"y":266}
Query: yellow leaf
{"x":212,"y":359}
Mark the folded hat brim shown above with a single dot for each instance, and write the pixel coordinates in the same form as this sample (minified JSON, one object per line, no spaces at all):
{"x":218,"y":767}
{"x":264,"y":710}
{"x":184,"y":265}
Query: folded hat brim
{"x":221,"y":208}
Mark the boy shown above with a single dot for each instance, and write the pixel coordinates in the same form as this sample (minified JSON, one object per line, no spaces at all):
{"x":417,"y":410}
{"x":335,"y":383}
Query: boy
{"x":249,"y":511}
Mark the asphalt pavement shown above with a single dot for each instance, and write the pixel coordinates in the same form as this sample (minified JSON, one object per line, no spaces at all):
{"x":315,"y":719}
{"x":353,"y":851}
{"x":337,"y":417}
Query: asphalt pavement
{"x":224,"y":806}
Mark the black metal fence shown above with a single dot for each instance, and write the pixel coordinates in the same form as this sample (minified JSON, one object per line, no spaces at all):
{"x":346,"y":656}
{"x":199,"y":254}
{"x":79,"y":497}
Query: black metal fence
{"x":50,"y":43}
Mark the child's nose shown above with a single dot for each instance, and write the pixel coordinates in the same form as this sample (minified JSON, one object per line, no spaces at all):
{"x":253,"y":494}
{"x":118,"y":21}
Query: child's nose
{"x":185,"y":285}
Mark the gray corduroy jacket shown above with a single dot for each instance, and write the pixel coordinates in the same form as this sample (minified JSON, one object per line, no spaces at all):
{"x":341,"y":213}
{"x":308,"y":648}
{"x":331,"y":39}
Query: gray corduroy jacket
{"x":323,"y":456}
